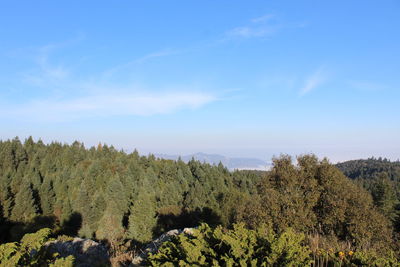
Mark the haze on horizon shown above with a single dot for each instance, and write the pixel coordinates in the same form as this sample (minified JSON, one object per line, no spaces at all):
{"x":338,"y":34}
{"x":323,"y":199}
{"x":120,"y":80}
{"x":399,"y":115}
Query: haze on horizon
{"x":235,"y":78}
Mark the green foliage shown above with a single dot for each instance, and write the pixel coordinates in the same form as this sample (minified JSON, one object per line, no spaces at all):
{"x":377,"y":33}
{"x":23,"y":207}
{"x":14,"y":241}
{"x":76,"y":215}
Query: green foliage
{"x":110,"y":225}
{"x":47,"y":197}
{"x":142,"y":218}
{"x":288,"y":249}
{"x":381,"y":178}
{"x":370,"y":168}
{"x":108,"y":194}
{"x":236,"y":247}
{"x":31,"y":251}
{"x":63,"y":262}
{"x":102,"y":185}
{"x":384,"y":195}
{"x":315,"y":196}
{"x":363,"y":258}
{"x":350,"y":258}
{"x":25,"y":208}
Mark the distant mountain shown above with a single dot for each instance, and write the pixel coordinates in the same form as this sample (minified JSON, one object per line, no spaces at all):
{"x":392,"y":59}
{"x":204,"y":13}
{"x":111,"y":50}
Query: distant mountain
{"x":230,"y":163}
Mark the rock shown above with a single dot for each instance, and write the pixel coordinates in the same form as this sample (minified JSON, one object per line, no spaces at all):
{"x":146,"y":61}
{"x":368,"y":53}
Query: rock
{"x":154,"y":245}
{"x":87,"y":252}
{"x":90,"y":253}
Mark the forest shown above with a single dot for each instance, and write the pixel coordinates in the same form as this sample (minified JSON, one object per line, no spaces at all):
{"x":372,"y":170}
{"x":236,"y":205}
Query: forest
{"x":303,"y":212}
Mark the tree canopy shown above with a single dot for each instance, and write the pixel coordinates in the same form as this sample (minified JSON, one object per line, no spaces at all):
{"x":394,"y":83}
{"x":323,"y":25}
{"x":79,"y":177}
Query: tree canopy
{"x":110,"y":195}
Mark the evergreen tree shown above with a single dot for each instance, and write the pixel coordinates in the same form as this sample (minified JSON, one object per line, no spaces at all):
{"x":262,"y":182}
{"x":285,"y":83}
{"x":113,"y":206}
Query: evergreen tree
{"x":316,"y":196}
{"x":25,"y":208}
{"x":98,"y":208}
{"x":117,"y":195}
{"x":110,"y":225}
{"x":48,"y":197}
{"x":6,"y":198}
{"x":82,"y":205}
{"x":384,"y":196}
{"x":142,"y":219}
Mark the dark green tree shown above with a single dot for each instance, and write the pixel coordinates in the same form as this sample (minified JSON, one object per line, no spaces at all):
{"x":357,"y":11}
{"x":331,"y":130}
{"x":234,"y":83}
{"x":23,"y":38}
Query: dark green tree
{"x":142,"y":219}
{"x":25,"y":208}
{"x":384,"y":196}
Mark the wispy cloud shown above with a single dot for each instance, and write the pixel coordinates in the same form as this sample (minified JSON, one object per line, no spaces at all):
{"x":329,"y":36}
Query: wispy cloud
{"x":140,"y":60}
{"x":161,"y":53}
{"x":263,"y":18}
{"x":44,"y":71}
{"x":257,"y":27}
{"x":248,"y":32}
{"x":315,"y":80}
{"x":106,"y":105}
{"x":96,"y":96}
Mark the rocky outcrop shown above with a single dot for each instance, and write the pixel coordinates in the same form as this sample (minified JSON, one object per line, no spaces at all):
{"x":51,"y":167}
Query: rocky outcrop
{"x":153,"y":246}
{"x":87,"y":252}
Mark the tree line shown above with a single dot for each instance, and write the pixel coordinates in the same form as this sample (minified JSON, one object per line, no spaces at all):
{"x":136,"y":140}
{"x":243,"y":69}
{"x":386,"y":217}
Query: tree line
{"x":106,"y":194}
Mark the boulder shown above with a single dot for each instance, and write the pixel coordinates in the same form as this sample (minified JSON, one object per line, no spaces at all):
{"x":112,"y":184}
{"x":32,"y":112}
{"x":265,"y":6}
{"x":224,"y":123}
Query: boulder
{"x":87,"y":252}
{"x":154,"y":245}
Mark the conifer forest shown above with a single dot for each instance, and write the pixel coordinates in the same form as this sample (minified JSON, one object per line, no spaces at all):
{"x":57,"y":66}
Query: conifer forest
{"x":304,"y":211}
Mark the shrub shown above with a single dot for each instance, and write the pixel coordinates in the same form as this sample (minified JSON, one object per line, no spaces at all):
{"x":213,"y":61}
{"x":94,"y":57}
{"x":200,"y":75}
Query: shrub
{"x":236,"y":247}
{"x":31,"y":251}
{"x":350,"y":258}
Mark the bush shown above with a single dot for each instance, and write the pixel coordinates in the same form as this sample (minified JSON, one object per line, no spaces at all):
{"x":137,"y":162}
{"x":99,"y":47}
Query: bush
{"x":262,"y":247}
{"x":236,"y":247}
{"x":31,"y":251}
{"x":350,"y":258}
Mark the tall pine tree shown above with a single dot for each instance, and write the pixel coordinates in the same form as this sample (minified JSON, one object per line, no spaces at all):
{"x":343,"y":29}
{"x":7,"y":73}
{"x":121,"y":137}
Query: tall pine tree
{"x":25,"y":208}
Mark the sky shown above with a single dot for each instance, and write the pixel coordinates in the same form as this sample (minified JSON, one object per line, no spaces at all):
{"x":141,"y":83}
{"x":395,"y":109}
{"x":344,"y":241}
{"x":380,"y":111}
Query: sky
{"x":237,"y":78}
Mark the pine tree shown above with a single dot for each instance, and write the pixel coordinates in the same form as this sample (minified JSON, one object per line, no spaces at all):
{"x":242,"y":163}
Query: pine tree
{"x":82,"y":205}
{"x":115,"y":193}
{"x":110,"y":225}
{"x":6,"y":198}
{"x":142,"y":218}
{"x":98,"y":207}
{"x":384,"y":196}
{"x":48,"y":197}
{"x":25,"y":208}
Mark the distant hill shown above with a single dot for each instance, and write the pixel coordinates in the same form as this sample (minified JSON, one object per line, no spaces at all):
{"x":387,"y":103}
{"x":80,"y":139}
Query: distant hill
{"x":370,"y":168}
{"x":230,"y":163}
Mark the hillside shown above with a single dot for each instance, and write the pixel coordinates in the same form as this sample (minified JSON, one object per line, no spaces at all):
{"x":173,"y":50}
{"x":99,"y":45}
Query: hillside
{"x":370,"y":168}
{"x":381,"y":177}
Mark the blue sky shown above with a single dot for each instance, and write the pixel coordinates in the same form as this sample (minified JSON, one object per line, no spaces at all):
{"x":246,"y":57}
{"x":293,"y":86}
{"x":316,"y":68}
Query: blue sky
{"x":238,"y":78}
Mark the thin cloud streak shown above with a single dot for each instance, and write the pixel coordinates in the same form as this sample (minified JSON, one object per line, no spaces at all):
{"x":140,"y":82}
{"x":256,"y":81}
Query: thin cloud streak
{"x":140,"y":60}
{"x":313,"y":81}
{"x":258,"y":27}
{"x":162,"y":53}
{"x":99,"y":106}
{"x":248,"y":32}
{"x":263,"y":18}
